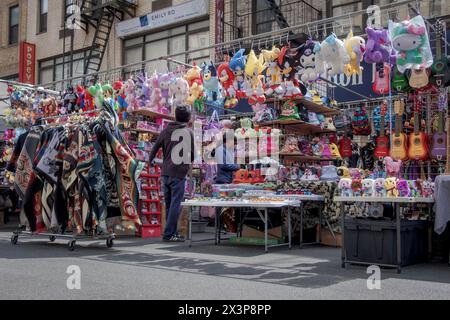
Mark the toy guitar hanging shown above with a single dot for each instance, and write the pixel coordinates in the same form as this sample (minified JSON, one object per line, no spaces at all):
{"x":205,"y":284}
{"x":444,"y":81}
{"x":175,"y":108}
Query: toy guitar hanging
{"x":418,"y":140}
{"x":399,"y":81}
{"x":419,"y":78}
{"x":439,"y":140}
{"x":441,"y":66}
{"x":398,"y":146}
{"x":382,"y":141}
{"x":381,"y":83}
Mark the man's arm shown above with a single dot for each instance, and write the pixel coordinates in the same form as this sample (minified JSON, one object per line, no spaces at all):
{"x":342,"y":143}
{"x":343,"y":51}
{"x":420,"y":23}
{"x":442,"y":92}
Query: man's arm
{"x":156,"y":147}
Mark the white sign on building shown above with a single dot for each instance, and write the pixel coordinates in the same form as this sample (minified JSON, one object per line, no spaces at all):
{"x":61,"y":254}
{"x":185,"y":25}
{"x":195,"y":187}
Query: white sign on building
{"x":161,"y":18}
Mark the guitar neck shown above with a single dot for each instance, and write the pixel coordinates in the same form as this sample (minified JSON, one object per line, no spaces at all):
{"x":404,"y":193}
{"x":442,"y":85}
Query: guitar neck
{"x":447,"y":164}
{"x":382,"y":126}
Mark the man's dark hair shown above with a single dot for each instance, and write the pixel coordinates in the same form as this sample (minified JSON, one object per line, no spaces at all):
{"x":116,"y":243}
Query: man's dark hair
{"x":182,"y":114}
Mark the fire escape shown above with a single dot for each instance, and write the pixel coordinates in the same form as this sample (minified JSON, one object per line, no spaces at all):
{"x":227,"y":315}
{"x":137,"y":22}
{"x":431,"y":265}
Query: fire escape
{"x":252,"y":17}
{"x":100,"y":15}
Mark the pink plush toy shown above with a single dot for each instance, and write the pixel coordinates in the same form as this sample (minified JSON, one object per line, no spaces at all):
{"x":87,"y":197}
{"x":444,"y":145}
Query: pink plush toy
{"x":403,"y":188}
{"x":156,"y":96}
{"x":179,"y":91}
{"x":393,"y":167}
{"x":130,"y":99}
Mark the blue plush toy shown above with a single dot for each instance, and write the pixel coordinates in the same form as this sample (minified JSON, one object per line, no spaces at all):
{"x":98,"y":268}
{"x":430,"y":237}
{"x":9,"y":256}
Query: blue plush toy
{"x":211,"y":84}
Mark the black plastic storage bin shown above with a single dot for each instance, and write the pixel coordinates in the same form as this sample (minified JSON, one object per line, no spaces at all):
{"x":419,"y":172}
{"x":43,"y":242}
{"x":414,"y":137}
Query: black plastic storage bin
{"x":375,"y":241}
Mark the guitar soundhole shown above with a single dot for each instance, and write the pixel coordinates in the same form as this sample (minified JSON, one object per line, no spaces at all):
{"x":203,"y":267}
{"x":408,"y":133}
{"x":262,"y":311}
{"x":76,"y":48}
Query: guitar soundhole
{"x":440,"y":141}
{"x":417,"y":141}
{"x":397,"y":143}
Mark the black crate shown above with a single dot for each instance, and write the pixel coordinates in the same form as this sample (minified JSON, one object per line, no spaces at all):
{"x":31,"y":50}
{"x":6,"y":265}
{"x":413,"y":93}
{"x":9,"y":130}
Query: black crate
{"x":375,"y":241}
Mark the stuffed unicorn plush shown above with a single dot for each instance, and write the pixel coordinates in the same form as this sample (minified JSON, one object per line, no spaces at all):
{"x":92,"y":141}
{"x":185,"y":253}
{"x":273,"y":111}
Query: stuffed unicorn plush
{"x":164,"y":84}
{"x":368,"y":188}
{"x":331,"y":56}
{"x":130,"y":95}
{"x":179,"y":91}
{"x":156,"y":96}
{"x":307,"y":62}
{"x":355,"y":47}
{"x":410,"y":40}
{"x":378,"y":47}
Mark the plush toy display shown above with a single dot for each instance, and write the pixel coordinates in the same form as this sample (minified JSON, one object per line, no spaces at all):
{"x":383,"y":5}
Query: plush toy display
{"x":378,"y":47}
{"x":393,"y":167}
{"x":237,"y":64}
{"x":357,"y":187}
{"x":379,"y":189}
{"x":403,"y":188}
{"x":155,"y":101}
{"x":164,"y":85}
{"x":273,"y":73}
{"x":331,"y":56}
{"x":287,"y":63}
{"x":179,"y":91}
{"x":390,"y":184}
{"x":410,"y":40}
{"x":307,"y":62}
{"x":368,"y":188}
{"x":211,"y":84}
{"x":355,"y":47}
{"x":226,"y":78}
{"x":427,"y":189}
{"x":345,"y":187}
{"x":97,"y":93}
{"x":343,"y":172}
{"x":196,"y":97}
{"x":253,"y":84}
{"x":70,"y":100}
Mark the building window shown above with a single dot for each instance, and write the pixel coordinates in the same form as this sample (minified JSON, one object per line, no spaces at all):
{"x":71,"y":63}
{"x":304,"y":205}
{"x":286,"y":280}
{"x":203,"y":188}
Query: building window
{"x":57,"y":68}
{"x":263,"y":16}
{"x":43,"y":13}
{"x":14,"y":25}
{"x":175,"y":41}
{"x":67,"y":10}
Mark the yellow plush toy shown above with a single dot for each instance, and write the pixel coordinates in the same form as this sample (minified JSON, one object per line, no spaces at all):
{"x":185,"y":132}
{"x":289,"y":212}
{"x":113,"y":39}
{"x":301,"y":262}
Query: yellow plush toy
{"x":253,"y":83}
{"x":343,"y":172}
{"x":355,"y":47}
{"x":390,"y":184}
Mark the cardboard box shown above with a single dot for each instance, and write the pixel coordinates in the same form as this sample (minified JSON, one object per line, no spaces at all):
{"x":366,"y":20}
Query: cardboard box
{"x":182,"y":220}
{"x":328,"y":240}
{"x":273,"y":234}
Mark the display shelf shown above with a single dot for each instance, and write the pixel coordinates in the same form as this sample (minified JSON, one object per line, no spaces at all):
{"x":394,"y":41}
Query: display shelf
{"x":384,"y":199}
{"x":152,"y":132}
{"x":299,"y":126}
{"x":310,"y":105}
{"x":152,"y":114}
{"x":302,"y":157}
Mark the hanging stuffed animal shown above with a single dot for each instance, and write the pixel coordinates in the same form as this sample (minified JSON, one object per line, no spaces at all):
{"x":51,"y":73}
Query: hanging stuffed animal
{"x":108,"y":92}
{"x":355,"y":47}
{"x":254,"y":88}
{"x":226,"y":78}
{"x":410,"y":40}
{"x":378,"y":48}
{"x":307,"y":62}
{"x":193,"y":75}
{"x":273,"y":73}
{"x":179,"y":91}
{"x":164,"y":84}
{"x":97,"y":93}
{"x":237,"y":65}
{"x":130,"y":96}
{"x":119,"y":93}
{"x":331,"y":56}
{"x":196,"y":97}
{"x":155,"y":101}
{"x":70,"y":100}
{"x":211,"y":84}
{"x":287,"y":63}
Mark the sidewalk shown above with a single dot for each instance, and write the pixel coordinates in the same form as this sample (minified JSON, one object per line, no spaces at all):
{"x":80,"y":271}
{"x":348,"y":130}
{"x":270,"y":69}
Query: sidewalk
{"x":143,"y":268}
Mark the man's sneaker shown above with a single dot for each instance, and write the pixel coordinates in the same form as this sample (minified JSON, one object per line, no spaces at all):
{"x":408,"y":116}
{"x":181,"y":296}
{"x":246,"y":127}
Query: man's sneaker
{"x":174,"y":238}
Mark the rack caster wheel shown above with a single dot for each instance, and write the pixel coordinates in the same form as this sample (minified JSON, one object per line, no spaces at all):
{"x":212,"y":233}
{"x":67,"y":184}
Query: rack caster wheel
{"x":52,"y":238}
{"x":14,"y":239}
{"x":72,"y":245}
{"x":110,"y":243}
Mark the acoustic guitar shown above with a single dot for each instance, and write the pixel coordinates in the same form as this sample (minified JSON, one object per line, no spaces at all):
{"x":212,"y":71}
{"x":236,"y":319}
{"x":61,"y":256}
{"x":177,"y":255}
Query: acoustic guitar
{"x":381,"y":83}
{"x":441,"y":66}
{"x":419,"y":78}
{"x":382,"y":141}
{"x":439,"y":139}
{"x":418,"y":140}
{"x":398,"y":147}
{"x":399,"y":81}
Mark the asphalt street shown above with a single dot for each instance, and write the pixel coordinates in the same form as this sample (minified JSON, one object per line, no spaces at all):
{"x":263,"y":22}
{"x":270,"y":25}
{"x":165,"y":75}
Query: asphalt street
{"x":150,"y":269}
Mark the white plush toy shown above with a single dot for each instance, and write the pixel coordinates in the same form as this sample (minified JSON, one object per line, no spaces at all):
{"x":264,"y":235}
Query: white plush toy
{"x":368,"y":187}
{"x":345,"y":187}
{"x":379,"y":189}
{"x":179,"y":91}
{"x":331,"y":56}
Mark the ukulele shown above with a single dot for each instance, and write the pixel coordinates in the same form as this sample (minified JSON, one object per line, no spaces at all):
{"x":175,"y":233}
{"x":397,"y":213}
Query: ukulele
{"x":382,"y":141}
{"x":398,"y":146}
{"x":399,"y":81}
{"x":441,"y":66}
{"x":418,"y":146}
{"x":381,"y":83}
{"x":345,"y":147}
{"x":439,"y":140}
{"x":418,"y":78}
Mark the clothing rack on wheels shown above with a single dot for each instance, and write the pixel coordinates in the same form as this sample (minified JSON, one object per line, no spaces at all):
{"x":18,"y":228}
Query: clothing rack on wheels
{"x":71,"y":236}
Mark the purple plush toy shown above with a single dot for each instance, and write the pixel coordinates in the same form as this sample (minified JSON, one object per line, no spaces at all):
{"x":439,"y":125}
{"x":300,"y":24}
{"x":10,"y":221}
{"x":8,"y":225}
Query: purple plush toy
{"x":403,"y":188}
{"x":378,"y":47}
